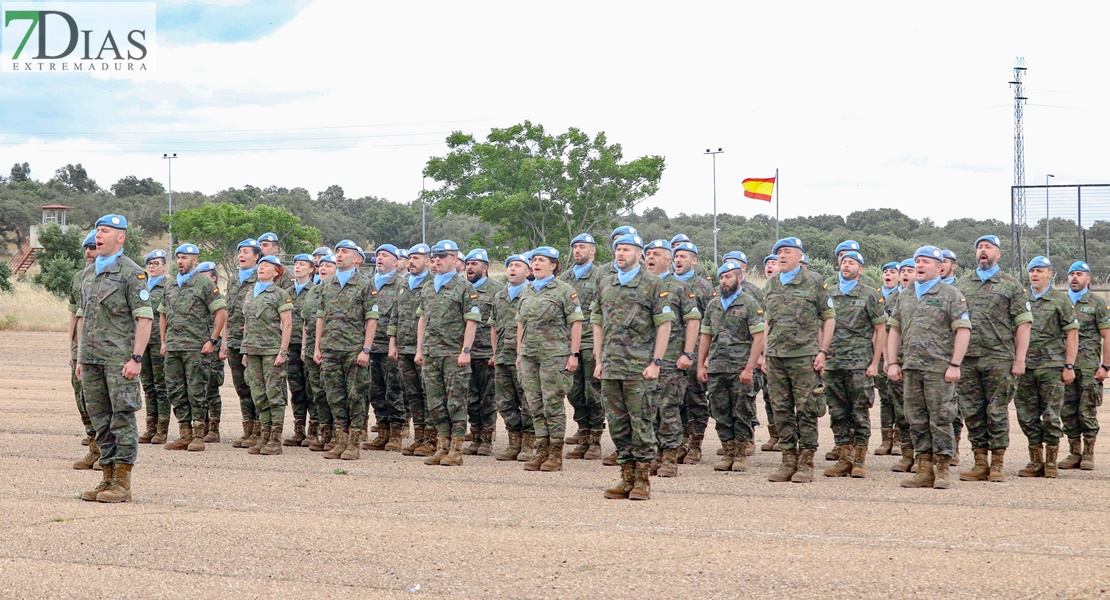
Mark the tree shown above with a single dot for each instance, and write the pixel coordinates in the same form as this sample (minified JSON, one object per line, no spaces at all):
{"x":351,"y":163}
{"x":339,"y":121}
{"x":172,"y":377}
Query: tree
{"x":133,"y":186}
{"x":62,"y":255}
{"x":5,"y":278}
{"x":540,"y":188}
{"x":20,"y":173}
{"x":75,"y":178}
{"x":331,"y":196}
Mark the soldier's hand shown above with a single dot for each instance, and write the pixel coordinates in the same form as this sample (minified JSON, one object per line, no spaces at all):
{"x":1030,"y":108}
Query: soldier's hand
{"x":1069,"y":375}
{"x":363,"y":359}
{"x":1101,"y":374}
{"x":597,"y":370}
{"x":819,"y":362}
{"x":872,"y":371}
{"x":317,"y":356}
{"x":746,"y":376}
{"x":703,"y":374}
{"x":1018,"y":369}
{"x":280,"y":360}
{"x":393,"y":352}
{"x":894,"y":372}
{"x":684,"y":362}
{"x":952,"y":374}
{"x":464,"y":359}
{"x":207,"y":348}
{"x":77,"y":371}
{"x":651,"y":372}
{"x":419,"y":358}
{"x":302,"y":355}
{"x":162,"y":349}
{"x":490,"y":362}
{"x":761,"y":363}
{"x":223,"y":352}
{"x":244,"y":361}
{"x":572,"y":363}
{"x":131,"y":369}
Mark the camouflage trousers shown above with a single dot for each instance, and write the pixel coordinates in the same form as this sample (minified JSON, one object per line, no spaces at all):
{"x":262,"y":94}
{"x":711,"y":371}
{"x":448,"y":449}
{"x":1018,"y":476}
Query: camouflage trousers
{"x":412,"y":389}
{"x":849,"y":395}
{"x":695,"y":405}
{"x":510,"y":399}
{"x":886,"y":400}
{"x":80,"y":400}
{"x":445,"y":387}
{"x":898,"y":404}
{"x":930,"y":407}
{"x":314,"y":388}
{"x":1038,"y":400}
{"x":112,"y":401}
{"x":984,"y":398}
{"x":1082,"y":397}
{"x":630,"y":408}
{"x":267,"y":383}
{"x":385,"y":390}
{"x":186,"y":385}
{"x":295,"y":373}
{"x":239,"y":379}
{"x":480,"y":409}
{"x":585,"y":394}
{"x":759,"y":384}
{"x":153,"y":377}
{"x":732,"y":410}
{"x":668,"y":416}
{"x":795,"y":403}
{"x":214,"y":370}
{"x":545,"y":382}
{"x":344,"y":386}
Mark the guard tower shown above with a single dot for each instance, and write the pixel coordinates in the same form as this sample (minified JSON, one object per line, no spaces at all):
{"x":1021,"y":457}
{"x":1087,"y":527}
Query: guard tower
{"x":52,"y":214}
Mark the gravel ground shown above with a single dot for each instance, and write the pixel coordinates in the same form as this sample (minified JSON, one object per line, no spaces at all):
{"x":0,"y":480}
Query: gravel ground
{"x":224,"y":522}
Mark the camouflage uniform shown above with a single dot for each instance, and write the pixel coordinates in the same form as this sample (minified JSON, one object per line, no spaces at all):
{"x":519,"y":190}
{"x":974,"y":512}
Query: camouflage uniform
{"x":345,"y":310}
{"x":385,"y":378}
{"x":318,"y":407}
{"x":759,"y":378}
{"x":695,"y":406}
{"x":672,"y":380}
{"x":480,"y":406}
{"x":629,"y":316}
{"x":1083,"y":395}
{"x":730,"y":346}
{"x":74,"y":307}
{"x":509,"y":395}
{"x":585,"y":391}
{"x":402,"y":326}
{"x":445,"y":382}
{"x":153,"y":375}
{"x":795,"y":313}
{"x":189,"y":311}
{"x":111,"y":303}
{"x":898,"y":389}
{"x":1040,"y":391}
{"x":848,"y":390}
{"x":997,"y":307}
{"x":300,"y":394}
{"x":928,"y":326}
{"x":546,"y":316}
{"x":233,"y":338}
{"x":261,"y":344}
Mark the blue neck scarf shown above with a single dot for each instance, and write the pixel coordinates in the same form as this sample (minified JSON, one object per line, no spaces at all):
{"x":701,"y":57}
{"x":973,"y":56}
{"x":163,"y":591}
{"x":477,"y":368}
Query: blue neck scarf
{"x":103,"y":262}
{"x":344,"y":276}
{"x":787,"y":277}
{"x":686,"y":276}
{"x":949,"y":280}
{"x":182,"y":278}
{"x":727,"y":301}
{"x":987,"y":274}
{"x":478,"y":284}
{"x":846,"y":285}
{"x":153,"y":281}
{"x":1076,"y":296}
{"x":921,"y":288}
{"x":514,"y":290}
{"x":888,"y":291}
{"x":539,"y":284}
{"x":441,"y":280}
{"x":245,"y":274}
{"x":299,"y":287}
{"x":581,"y":271}
{"x":381,"y":278}
{"x":664,"y":274}
{"x":416,"y":280}
{"x":625,"y":276}
{"x":260,"y":287}
{"x":317,"y":279}
{"x":1037,"y":296}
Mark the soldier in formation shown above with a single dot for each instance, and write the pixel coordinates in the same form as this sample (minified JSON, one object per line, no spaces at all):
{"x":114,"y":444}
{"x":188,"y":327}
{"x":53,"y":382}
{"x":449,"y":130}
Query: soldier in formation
{"x":509,"y":395}
{"x":153,"y":374}
{"x":585,"y":390}
{"x":480,"y":408}
{"x":267,"y":330}
{"x":91,"y":460}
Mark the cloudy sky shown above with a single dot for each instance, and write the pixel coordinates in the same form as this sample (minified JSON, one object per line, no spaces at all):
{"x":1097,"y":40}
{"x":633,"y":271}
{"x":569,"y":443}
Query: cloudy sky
{"x":859,"y":105}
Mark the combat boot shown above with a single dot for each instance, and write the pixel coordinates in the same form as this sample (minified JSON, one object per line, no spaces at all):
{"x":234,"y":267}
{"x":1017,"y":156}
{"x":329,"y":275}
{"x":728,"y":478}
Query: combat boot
{"x":668,"y":464}
{"x":997,"y":458}
{"x":395,"y":440}
{"x":351,"y":451}
{"x":539,"y":455}
{"x":554,"y":460}
{"x":162,"y":432}
{"x":1050,"y":470}
{"x":804,"y":474}
{"x":454,"y":456}
{"x":641,"y":484}
{"x":263,"y":438}
{"x":833,"y":455}
{"x":573,"y":440}
{"x":1088,"y":463}
{"x":940,"y":472}
{"x":323,"y":435}
{"x":594,"y":451}
{"x":443,"y":444}
{"x":924,"y":476}
{"x":981,"y":471}
{"x":693,"y":453}
{"x":485,"y":448}
{"x":611,"y":460}
{"x":182,"y":442}
{"x":510,"y":452}
{"x":197,"y":443}
{"x":747,"y":448}
{"x":843,"y":466}
{"x":859,"y":458}
{"x":583,"y":444}
{"x":151,"y":429}
{"x":91,"y":458}
{"x":955,"y":459}
{"x":311,"y":432}
{"x":788,"y":467}
{"x":621,"y":489}
{"x":903,"y":465}
{"x":887,"y":445}
{"x":213,"y":435}
{"x":1075,"y":454}
{"x":655,"y":462}
{"x":256,"y":434}
{"x":739,"y":457}
{"x":687,"y":433}
{"x":771,"y":445}
{"x":527,"y":446}
{"x":274,"y":442}
{"x":379,"y":442}
{"x":85,"y":441}
{"x":298,"y":434}
{"x":105,"y":481}
{"x":475,"y":440}
{"x":340,"y":445}
{"x":120,"y":488}
{"x":417,"y":438}
{"x":330,"y":441}
{"x":725,"y":464}
{"x":427,"y":446}
{"x":248,"y":428}
{"x":1035,"y":468}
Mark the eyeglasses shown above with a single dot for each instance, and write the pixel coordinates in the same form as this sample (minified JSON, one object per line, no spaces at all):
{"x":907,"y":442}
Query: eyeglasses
{"x":440,"y":254}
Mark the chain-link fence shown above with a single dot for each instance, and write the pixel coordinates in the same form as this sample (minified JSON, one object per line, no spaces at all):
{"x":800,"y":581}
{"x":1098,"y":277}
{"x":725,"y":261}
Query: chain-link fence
{"x":1065,"y":223}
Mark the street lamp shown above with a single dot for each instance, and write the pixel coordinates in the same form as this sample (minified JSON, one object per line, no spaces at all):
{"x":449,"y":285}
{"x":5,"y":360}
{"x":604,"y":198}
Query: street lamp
{"x":423,"y":213}
{"x":169,"y":187}
{"x":1047,"y":220}
{"x":714,"y":155}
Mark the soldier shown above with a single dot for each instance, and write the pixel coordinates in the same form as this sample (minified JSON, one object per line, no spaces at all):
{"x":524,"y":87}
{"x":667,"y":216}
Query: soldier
{"x":1050,"y":366}
{"x":345,"y":328}
{"x":948,"y":275}
{"x":402,"y":348}
{"x":403,"y":262}
{"x":449,"y":316}
{"x":267,"y":330}
{"x":632,"y":323}
{"x":238,"y":286}
{"x":300,"y":394}
{"x":843,"y":248}
{"x":1000,"y":323}
{"x":509,"y":394}
{"x":191,"y":315}
{"x":213,"y":366}
{"x":731,"y":343}
{"x":759,"y":380}
{"x":385,"y":380}
{"x":677,"y":360}
{"x":480,"y":407}
{"x":907,"y":273}
{"x":695,"y":406}
{"x":91,"y":460}
{"x":770,"y":269}
{"x":268,"y":243}
{"x":1083,"y":395}
{"x":856,"y":348}
{"x":153,"y":375}
{"x":770,"y":266}
{"x":585,"y":391}
{"x":317,"y":255}
{"x":800,"y":322}
{"x":931,"y":326}
{"x":616,"y":233}
{"x":324,"y":439}
{"x":889,"y":292}
{"x":112,"y":334}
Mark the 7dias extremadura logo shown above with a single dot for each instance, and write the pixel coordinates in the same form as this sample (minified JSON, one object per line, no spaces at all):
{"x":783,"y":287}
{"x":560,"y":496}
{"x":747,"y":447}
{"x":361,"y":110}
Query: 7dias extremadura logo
{"x":82,"y":37}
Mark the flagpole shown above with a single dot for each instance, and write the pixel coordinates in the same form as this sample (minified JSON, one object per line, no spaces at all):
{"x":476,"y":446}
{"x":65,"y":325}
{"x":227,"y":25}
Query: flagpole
{"x":777,"y":204}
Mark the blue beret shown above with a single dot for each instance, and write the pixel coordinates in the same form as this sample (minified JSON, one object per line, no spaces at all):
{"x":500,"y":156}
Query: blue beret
{"x":725,"y":268}
{"x":682,"y":237}
{"x":623,"y":230}
{"x":187,"y":249}
{"x":852,"y":254}
{"x":790,"y":242}
{"x":527,"y":255}
{"x":1039,"y":261}
{"x":661,"y":244}
{"x":113,"y":221}
{"x":805,"y":258}
{"x":273,"y":260}
{"x":348,"y":244}
{"x":402,"y":253}
{"x":516,"y":257}
{"x":1079,"y":266}
{"x":770,"y":257}
{"x":90,"y":240}
{"x":153,"y":254}
{"x":329,"y":258}
{"x":908,"y":263}
{"x":478,"y":254}
{"x":304,"y":257}
{"x":268,"y":237}
{"x":206,"y":266}
{"x":845,"y":246}
{"x":928,"y":252}
{"x":583,"y":238}
{"x":993,"y":239}
{"x":247,"y":243}
{"x":948,"y":254}
{"x":390,"y":248}
{"x":629,"y":238}
{"x":687,"y":246}
{"x":420,"y":249}
{"x":444,"y":245}
{"x":547,"y":251}
{"x":321,"y":251}
{"x":890,"y":265}
{"x":736,"y":255}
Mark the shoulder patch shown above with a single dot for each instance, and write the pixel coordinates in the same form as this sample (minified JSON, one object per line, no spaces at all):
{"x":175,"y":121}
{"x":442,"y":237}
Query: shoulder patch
{"x":759,"y":311}
{"x":693,"y":295}
{"x":715,"y":295}
{"x":962,"y":300}
{"x":288,"y":300}
{"x":708,"y":278}
{"x":373,"y":292}
{"x":880,"y":300}
{"x":825,"y":286}
{"x":144,"y":295}
{"x":473,"y":296}
{"x":141,"y":275}
{"x":574,"y":295}
{"x":663,"y":294}
{"x":215,"y":290}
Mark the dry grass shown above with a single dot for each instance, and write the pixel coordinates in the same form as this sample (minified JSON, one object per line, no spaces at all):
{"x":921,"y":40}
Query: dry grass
{"x":32,"y":308}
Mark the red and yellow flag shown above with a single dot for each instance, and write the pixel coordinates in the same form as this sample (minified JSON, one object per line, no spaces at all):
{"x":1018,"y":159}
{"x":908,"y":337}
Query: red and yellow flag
{"x":759,"y":189}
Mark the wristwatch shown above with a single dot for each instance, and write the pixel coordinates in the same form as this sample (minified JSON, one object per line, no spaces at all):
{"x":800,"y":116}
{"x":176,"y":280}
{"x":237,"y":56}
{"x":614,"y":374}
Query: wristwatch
{"x":952,"y":364}
{"x":137,"y":358}
{"x":1105,"y":367}
{"x":825,"y":352}
{"x":366,"y":351}
{"x":466,"y":350}
{"x":213,"y":341}
{"x":577,"y":355}
{"x":657,"y":362}
{"x":1069,"y":367}
{"x":691,"y":356}
{"x":284,"y":353}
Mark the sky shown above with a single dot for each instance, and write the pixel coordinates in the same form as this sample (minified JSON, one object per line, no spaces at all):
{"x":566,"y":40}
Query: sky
{"x":858,"y":105}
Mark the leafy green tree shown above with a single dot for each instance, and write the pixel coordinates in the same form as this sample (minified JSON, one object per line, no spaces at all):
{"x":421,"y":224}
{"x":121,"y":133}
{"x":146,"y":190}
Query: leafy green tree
{"x":217,"y":228}
{"x":133,"y":186}
{"x":5,"y":278}
{"x":74,"y":178}
{"x":62,"y":255}
{"x":20,"y":173}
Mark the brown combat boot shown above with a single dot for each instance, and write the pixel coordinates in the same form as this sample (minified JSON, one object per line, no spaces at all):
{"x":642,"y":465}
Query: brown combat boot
{"x":263,"y":438}
{"x":323,"y":436}
{"x":330,"y":441}
{"x":395,"y":441}
{"x":151,"y":429}
{"x":833,"y":455}
{"x":119,"y":490}
{"x":351,"y":451}
{"x":641,"y":483}
{"x":475,"y":440}
{"x":903,"y":465}
{"x":981,"y":471}
{"x":162,"y":432}
{"x":954,"y":460}
{"x":771,"y":445}
{"x":687,"y":433}
{"x":788,"y":467}
{"x":379,"y":442}
{"x":940,"y":472}
{"x":843,"y":466}
{"x":804,"y":474}
{"x":668,"y":465}
{"x":621,"y":489}
{"x":274,"y":442}
{"x":859,"y":460}
{"x":1035,"y":468}
{"x":310,"y":434}
{"x":91,"y":458}
{"x":298,"y":434}
{"x":1075,"y":454}
{"x":443,"y":444}
{"x":105,"y":481}
{"x":85,"y":441}
{"x":924,"y":476}
{"x":256,"y":434}
{"x":427,"y":446}
{"x":1050,"y":470}
{"x":182,"y":442}
{"x":997,"y":458}
{"x":1088,"y":463}
{"x":747,"y":448}
{"x":485,"y":447}
{"x":594,"y":451}
{"x":887,"y":445}
{"x":611,"y":460}
{"x":454,"y":456}
{"x":583,"y":444}
{"x":248,"y":428}
{"x":527,"y":446}
{"x":513,"y":449}
{"x":725,"y":464}
{"x":539,"y":455}
{"x":213,"y":434}
{"x":197,"y":443}
{"x":554,"y":460}
{"x":341,"y":443}
{"x":693,"y":452}
{"x":417,"y":438}
{"x":572,"y":440}
{"x":740,"y":457}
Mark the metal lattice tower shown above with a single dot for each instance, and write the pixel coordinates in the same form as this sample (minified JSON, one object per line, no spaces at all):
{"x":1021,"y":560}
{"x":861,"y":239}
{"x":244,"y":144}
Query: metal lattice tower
{"x":1018,"y":199}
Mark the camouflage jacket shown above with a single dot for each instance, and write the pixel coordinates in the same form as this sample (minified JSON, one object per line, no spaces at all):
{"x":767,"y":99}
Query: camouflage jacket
{"x":547,"y":316}
{"x":188,"y":311}
{"x":864,"y":280}
{"x":384,"y":299}
{"x":75,"y":306}
{"x":262,"y":320}
{"x":482,"y":348}
{"x":502,"y":319}
{"x":403,"y":321}
{"x":628,"y":316}
{"x":731,"y":331}
{"x":795,"y":313}
{"x":586,"y":287}
{"x":345,"y":310}
{"x":301,"y":317}
{"x":236,"y":294}
{"x":447,"y":312}
{"x":888,"y":305}
{"x":997,"y":306}
{"x":857,"y":314}
{"x":704,"y":290}
{"x":683,"y":302}
{"x":310,"y":307}
{"x":1094,"y":317}
{"x":1053,"y":315}
{"x":110,"y":304}
{"x":156,"y":294}
{"x":928,"y":326}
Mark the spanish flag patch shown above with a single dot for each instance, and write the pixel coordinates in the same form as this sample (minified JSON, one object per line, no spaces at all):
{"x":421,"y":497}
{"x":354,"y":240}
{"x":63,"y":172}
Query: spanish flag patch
{"x":373,"y":292}
{"x":141,"y":276}
{"x":693,"y":295}
{"x":825,"y":286}
{"x":215,"y":290}
{"x":663,"y":294}
{"x":759,"y":311}
{"x":473,"y":296}
{"x":573,"y":296}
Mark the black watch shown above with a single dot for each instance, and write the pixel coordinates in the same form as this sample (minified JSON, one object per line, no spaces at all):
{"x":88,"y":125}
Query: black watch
{"x":214,"y":341}
{"x":691,"y":356}
{"x":466,"y":350}
{"x":1105,"y":367}
{"x":657,"y":362}
{"x":825,"y":352}
{"x":952,"y":364}
{"x":366,"y":351}
{"x":577,"y":355}
{"x":137,"y":358}
{"x":1069,"y":367}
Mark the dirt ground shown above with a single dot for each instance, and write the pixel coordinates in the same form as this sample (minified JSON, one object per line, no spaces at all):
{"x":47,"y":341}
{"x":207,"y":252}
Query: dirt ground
{"x":222,"y":522}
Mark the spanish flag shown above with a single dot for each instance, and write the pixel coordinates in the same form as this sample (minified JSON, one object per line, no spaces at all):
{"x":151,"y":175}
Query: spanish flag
{"x":759,"y":189}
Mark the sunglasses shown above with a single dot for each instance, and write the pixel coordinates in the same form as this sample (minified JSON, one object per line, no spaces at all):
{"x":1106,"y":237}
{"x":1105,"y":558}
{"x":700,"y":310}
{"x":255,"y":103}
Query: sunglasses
{"x":440,"y":254}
